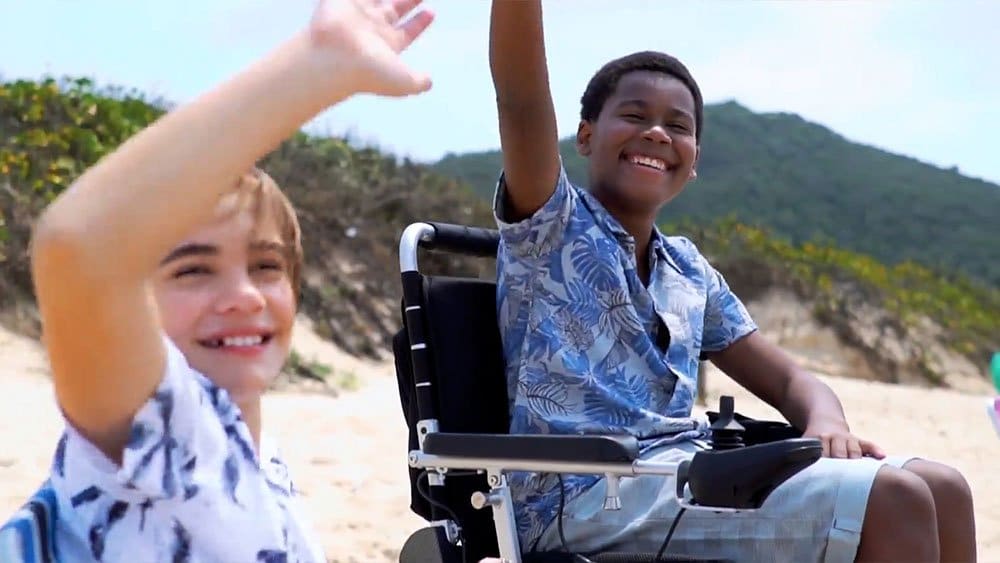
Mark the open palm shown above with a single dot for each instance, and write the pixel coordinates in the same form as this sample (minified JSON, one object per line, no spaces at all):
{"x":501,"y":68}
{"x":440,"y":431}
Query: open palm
{"x":369,"y":35}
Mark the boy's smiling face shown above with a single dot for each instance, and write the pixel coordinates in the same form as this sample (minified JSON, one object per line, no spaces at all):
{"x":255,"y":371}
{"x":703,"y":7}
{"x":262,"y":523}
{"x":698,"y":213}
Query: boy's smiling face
{"x":226,"y":301}
{"x":642,"y":146}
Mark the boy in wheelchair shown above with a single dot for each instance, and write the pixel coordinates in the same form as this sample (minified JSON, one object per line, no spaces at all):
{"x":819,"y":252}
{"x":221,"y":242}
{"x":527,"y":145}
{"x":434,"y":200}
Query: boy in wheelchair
{"x":604,"y":320}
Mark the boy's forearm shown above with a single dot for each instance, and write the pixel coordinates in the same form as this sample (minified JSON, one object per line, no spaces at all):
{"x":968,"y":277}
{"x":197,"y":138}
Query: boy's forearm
{"x":167,"y":179}
{"x":527,"y":118}
{"x":810,"y":403}
{"x":517,"y":53}
{"x":767,"y":372}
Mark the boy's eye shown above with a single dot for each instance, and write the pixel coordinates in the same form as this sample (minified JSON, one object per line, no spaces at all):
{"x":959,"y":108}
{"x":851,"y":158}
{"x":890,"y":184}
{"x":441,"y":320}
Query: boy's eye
{"x":269,"y":265}
{"x":191,"y":271}
{"x":633,"y":117}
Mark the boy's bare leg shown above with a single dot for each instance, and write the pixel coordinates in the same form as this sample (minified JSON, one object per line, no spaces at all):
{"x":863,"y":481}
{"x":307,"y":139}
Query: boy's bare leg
{"x":900,"y":521}
{"x":953,"y":506}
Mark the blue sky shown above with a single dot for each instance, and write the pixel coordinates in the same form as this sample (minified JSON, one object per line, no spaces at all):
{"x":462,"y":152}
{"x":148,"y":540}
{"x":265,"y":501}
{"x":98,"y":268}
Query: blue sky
{"x":915,"y":77}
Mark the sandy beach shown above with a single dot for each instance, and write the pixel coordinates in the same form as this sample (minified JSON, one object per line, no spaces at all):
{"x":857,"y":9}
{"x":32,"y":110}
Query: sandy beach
{"x":347,"y":452}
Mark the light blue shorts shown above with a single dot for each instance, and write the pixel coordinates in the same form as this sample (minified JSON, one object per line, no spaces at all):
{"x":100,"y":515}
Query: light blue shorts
{"x":814,"y":516}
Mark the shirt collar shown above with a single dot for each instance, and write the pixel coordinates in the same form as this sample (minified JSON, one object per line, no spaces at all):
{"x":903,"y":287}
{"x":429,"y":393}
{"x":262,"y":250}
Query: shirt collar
{"x":661,"y":249}
{"x":607,"y":222}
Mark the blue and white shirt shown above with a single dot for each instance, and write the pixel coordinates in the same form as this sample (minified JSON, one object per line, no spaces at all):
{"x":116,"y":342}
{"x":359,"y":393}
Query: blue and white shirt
{"x":579,"y":334}
{"x":191,"y":488}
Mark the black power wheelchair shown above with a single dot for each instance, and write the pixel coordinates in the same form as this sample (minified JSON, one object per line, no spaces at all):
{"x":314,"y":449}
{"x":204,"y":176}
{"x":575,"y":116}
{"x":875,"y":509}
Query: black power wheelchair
{"x":450,"y":371}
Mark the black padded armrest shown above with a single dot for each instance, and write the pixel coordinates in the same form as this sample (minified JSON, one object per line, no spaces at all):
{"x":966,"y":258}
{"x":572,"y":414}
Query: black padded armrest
{"x":588,"y":449}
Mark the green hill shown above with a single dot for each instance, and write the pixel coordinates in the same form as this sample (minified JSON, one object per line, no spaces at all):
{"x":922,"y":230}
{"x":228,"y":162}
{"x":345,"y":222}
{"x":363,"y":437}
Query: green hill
{"x":803,"y":182}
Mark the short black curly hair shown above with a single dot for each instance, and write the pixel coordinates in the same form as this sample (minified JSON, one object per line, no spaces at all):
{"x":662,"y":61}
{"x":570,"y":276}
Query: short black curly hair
{"x":605,"y":80}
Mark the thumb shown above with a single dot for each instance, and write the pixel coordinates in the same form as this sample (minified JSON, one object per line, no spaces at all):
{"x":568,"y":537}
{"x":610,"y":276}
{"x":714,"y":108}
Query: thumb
{"x":399,"y":80}
{"x":872,"y":449}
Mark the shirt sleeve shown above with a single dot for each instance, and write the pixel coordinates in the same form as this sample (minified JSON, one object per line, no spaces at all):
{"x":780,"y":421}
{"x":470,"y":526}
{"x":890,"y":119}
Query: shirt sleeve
{"x":726,"y":318}
{"x":189,"y":464}
{"x":188,"y":427}
{"x":543,"y":230}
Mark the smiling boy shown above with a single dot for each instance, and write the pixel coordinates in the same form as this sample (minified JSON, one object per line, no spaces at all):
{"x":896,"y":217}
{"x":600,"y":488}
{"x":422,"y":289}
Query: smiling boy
{"x":604,"y":320}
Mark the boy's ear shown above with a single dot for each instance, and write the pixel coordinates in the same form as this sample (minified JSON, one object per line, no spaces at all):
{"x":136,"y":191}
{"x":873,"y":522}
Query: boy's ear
{"x":583,"y":132}
{"x":694,"y":166}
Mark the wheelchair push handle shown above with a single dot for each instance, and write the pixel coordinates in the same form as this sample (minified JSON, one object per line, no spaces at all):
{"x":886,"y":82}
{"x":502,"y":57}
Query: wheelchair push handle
{"x":459,"y":239}
{"x":474,"y":241}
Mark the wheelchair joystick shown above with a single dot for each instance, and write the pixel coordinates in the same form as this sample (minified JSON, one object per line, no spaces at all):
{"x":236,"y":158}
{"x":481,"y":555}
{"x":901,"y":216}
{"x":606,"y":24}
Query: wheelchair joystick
{"x":727,"y":434}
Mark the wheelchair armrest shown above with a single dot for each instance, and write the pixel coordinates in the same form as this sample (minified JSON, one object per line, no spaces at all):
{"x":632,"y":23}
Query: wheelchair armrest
{"x":744,"y":477}
{"x":592,"y":449}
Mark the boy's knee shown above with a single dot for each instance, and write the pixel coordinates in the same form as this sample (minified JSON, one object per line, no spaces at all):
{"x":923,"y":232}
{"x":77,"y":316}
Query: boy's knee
{"x":948,"y":486}
{"x":903,"y":498}
{"x":900,"y":522}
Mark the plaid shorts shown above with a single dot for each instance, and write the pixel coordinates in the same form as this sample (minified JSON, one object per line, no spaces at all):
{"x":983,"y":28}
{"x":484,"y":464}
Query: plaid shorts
{"x":816,"y":515}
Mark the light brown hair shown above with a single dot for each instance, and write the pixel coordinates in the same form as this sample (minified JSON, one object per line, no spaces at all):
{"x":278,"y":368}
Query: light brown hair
{"x":267,"y":201}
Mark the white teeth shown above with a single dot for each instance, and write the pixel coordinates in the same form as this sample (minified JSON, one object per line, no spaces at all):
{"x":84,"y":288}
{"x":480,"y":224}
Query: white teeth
{"x":242,"y":341}
{"x":648,"y":161}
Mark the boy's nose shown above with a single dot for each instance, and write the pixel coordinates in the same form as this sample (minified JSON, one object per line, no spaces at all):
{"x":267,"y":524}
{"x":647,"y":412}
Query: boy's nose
{"x":240,"y":295}
{"x":657,"y":134}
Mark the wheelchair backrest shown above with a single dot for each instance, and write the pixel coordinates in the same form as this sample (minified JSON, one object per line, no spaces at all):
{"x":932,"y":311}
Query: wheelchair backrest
{"x":463,"y":342}
{"x":467,"y":370}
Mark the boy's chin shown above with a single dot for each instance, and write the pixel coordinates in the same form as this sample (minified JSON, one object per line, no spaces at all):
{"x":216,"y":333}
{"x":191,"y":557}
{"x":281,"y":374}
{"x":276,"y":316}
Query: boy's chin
{"x":643,"y":199}
{"x":248,"y":387}
{"x":247,"y":383}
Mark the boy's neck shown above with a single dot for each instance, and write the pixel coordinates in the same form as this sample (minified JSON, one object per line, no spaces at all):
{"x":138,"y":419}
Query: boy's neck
{"x":642,"y":264}
{"x":640,"y":226}
{"x":250,"y":411}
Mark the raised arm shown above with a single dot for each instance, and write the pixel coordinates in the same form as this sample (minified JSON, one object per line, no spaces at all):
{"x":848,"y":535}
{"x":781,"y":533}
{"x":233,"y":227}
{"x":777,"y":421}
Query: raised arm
{"x":96,"y":245}
{"x":528,"y":135}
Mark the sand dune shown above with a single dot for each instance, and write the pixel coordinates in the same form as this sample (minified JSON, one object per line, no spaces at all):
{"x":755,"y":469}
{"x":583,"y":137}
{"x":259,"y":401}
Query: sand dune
{"x":347,"y":453}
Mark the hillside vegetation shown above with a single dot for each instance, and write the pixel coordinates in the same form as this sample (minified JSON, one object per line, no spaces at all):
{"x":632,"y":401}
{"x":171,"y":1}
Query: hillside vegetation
{"x":354,"y":202}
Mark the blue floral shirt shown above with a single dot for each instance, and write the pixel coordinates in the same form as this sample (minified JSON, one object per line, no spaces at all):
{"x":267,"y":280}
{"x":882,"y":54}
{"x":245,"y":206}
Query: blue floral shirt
{"x":583,"y":337}
{"x":191,"y":488}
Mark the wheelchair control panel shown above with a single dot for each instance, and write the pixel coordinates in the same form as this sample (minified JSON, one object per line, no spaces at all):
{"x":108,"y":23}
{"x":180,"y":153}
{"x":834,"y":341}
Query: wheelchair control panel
{"x":732,"y":475}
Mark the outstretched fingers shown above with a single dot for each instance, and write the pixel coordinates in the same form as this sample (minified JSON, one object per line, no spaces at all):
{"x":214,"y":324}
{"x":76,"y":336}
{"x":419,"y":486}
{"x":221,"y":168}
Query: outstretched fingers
{"x":408,"y":31}
{"x":370,"y":35}
{"x":399,"y":8}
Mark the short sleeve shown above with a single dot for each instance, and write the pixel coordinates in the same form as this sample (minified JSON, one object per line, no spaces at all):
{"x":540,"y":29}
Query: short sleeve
{"x":726,"y":318}
{"x":184,"y":429}
{"x":190,"y":485}
{"x":543,"y":230}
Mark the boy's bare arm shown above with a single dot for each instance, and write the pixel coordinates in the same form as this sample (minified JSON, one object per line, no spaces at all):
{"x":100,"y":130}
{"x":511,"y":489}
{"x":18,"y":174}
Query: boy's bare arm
{"x":528,"y":135}
{"x":808,"y":403}
{"x":101,"y":332}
